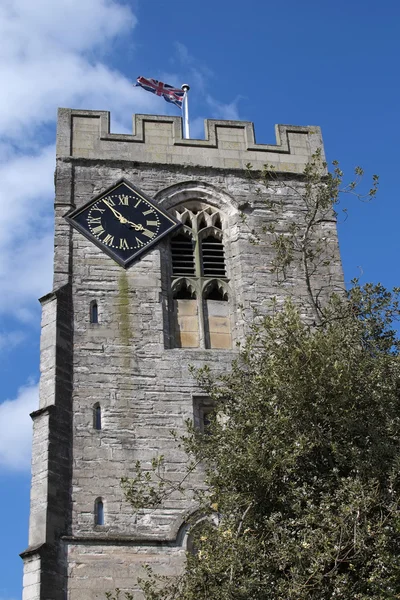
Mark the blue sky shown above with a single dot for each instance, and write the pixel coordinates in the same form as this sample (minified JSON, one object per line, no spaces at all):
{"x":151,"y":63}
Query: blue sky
{"x":303,"y":63}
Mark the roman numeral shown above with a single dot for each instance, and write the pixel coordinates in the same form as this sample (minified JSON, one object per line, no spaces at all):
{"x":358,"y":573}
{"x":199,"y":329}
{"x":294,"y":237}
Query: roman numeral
{"x":123,"y":244}
{"x":98,"y":230}
{"x":108,"y":201}
{"x":148,"y":233}
{"x":94,"y":220}
{"x":123,"y":200}
{"x":138,"y":202}
{"x":147,"y":212}
{"x":99,"y":209}
{"x":109,"y":240}
{"x":139,"y":243}
{"x":154,"y":223}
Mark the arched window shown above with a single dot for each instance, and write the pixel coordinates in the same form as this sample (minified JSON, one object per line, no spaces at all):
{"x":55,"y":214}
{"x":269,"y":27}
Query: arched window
{"x":197,"y":530}
{"x":97,"y":416}
{"x":94,"y":312}
{"x":201,"y":310}
{"x":98,"y":512}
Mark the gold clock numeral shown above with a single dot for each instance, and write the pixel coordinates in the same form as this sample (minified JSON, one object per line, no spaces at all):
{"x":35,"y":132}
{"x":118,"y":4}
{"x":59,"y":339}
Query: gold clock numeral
{"x":137,"y":203}
{"x":139,"y":243}
{"x":147,"y":212}
{"x":108,"y":201}
{"x":98,"y":230}
{"x":123,"y":244}
{"x":99,"y":209}
{"x":154,"y":223}
{"x":123,"y":199}
{"x":94,"y":220}
{"x":148,"y":233}
{"x":109,"y":240}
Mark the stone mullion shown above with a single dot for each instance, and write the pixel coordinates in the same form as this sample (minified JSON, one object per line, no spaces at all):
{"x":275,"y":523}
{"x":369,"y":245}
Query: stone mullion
{"x":200,"y":307}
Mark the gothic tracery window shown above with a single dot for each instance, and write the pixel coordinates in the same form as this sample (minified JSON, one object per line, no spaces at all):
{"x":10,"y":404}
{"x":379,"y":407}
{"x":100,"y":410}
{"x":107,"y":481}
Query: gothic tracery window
{"x":200,"y":291}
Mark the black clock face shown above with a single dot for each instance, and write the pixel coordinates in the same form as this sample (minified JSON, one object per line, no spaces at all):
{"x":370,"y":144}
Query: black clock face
{"x":123,"y":222}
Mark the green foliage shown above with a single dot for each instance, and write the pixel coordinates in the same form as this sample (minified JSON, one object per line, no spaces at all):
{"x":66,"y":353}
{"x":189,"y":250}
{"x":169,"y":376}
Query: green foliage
{"x":302,"y":243}
{"x":303,"y":469}
{"x":147,"y":488}
{"x":117,"y":595}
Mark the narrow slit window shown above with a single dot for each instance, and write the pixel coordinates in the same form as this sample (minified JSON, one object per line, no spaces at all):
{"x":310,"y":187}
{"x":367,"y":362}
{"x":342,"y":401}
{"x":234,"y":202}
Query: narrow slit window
{"x":213,"y":257}
{"x":94,"y":312}
{"x":203,"y":409}
{"x":97,"y":417}
{"x":99,"y":511}
{"x":182,"y":252}
{"x":206,"y":422}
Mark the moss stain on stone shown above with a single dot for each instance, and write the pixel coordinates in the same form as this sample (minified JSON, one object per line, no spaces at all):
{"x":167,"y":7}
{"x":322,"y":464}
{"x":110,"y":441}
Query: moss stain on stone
{"x":123,"y":310}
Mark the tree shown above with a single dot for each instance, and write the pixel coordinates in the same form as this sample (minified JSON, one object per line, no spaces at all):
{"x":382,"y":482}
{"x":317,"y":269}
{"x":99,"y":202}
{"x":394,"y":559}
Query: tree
{"x":301,"y":456}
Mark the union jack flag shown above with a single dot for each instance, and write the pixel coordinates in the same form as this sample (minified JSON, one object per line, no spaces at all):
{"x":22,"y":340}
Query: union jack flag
{"x":169,"y":93}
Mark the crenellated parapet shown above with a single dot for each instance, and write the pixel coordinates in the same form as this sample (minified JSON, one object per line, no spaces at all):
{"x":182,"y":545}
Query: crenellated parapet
{"x":158,"y":140}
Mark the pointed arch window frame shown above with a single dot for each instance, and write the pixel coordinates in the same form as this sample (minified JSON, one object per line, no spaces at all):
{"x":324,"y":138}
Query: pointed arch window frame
{"x":200,"y":283}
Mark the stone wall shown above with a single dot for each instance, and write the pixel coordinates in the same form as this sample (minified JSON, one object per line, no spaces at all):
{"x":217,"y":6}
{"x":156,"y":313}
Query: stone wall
{"x":126,"y":362}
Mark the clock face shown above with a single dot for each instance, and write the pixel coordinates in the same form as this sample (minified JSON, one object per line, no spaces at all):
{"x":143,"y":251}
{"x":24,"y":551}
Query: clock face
{"x":123,"y":222}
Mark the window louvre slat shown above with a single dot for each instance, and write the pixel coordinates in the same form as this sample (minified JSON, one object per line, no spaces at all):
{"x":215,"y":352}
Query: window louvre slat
{"x":182,"y":254}
{"x":212,"y":257}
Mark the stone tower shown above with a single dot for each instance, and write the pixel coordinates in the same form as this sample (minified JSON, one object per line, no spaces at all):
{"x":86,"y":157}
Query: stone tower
{"x":116,"y":343}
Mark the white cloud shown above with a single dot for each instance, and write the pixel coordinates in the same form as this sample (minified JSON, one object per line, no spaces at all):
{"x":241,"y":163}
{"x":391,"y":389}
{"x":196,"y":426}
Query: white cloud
{"x":26,"y":185}
{"x":200,"y":74}
{"x":70,"y":24}
{"x":220,"y":110}
{"x":51,"y":55}
{"x":16,"y":429}
{"x":26,"y":246}
{"x":32,"y":266}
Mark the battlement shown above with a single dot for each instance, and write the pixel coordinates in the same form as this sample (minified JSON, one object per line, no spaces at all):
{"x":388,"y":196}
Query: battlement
{"x":158,"y":140}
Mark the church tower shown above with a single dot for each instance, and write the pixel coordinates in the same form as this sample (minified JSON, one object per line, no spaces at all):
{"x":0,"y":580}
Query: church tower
{"x":154,"y":271}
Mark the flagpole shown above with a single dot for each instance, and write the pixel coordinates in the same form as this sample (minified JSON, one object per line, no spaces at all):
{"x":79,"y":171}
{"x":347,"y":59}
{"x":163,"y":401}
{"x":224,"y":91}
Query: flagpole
{"x":185,"y":111}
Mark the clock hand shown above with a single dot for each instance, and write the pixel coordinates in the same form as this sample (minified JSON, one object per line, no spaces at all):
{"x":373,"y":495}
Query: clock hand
{"x":122,"y":219}
{"x":137,"y":227}
{"x":134,"y":225}
{"x":116,"y":213}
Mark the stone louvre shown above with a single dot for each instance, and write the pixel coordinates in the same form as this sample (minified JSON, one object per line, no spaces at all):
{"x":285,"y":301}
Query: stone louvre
{"x":128,"y":362}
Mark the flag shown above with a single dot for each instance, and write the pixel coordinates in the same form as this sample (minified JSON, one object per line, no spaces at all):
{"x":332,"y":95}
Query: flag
{"x":169,"y":93}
